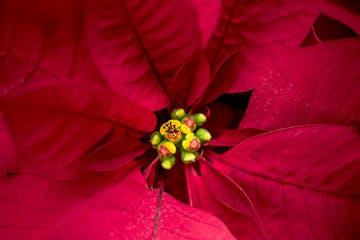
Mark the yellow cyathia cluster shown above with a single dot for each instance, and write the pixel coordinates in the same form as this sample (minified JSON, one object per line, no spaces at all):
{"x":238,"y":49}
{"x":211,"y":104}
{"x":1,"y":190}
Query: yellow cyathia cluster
{"x":180,"y":136}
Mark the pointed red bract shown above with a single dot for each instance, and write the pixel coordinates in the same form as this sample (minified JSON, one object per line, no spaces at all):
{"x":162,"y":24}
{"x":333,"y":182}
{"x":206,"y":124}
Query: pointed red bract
{"x":318,"y":84}
{"x":241,"y":226}
{"x":303,"y":178}
{"x":42,"y":37}
{"x":113,"y":154}
{"x":130,"y":210}
{"x":208,"y":16}
{"x":225,"y":189}
{"x":139,"y":45}
{"x":221,"y":80}
{"x":260,"y":28}
{"x":229,"y":193}
{"x":190,"y":82}
{"x":55,"y":124}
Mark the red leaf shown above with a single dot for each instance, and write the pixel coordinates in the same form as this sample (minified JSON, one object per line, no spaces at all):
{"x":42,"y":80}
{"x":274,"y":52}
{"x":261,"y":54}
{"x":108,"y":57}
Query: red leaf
{"x":231,"y":138}
{"x":319,"y":84}
{"x":208,"y":17}
{"x":241,"y":226}
{"x":260,"y":28}
{"x":190,"y":82}
{"x":302,"y":180}
{"x":221,"y":80}
{"x":113,"y":154}
{"x":130,"y":210}
{"x":229,"y":193}
{"x":138,"y":46}
{"x":53,"y":125}
{"x":31,"y":206}
{"x":41,"y":37}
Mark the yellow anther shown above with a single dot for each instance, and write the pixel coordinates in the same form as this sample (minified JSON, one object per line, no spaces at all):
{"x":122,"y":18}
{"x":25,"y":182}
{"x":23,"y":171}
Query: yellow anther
{"x":171,"y":130}
{"x":185,"y":144}
{"x":170,"y":126}
{"x":171,"y":147}
{"x":189,"y":136}
{"x":191,"y":142}
{"x":185,"y":129}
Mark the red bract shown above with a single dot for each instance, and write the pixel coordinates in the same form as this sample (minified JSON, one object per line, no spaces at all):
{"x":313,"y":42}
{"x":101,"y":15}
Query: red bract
{"x":80,"y":82}
{"x":67,"y":111}
{"x":305,"y":177}
{"x":317,"y":84}
{"x":139,"y":53}
{"x":130,"y":211}
{"x":31,"y":206}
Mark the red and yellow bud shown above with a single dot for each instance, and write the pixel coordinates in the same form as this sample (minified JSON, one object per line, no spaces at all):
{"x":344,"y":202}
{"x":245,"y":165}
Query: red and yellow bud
{"x":191,"y":143}
{"x":166,"y":149}
{"x":189,"y":122}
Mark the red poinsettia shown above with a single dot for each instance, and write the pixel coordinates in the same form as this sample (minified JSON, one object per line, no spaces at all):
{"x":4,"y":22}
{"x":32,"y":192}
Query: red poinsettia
{"x":85,"y":83}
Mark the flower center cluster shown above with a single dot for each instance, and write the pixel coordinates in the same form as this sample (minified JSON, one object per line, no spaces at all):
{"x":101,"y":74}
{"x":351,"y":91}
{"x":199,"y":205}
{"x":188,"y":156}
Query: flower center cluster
{"x":180,"y":135}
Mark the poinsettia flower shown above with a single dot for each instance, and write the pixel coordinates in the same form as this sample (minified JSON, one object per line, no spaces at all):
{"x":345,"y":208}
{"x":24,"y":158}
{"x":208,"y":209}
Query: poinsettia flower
{"x":50,"y":104}
{"x":72,"y":105}
{"x":175,"y":75}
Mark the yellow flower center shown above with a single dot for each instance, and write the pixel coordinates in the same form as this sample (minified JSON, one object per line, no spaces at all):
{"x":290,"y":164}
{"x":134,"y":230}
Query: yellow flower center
{"x":180,"y":136}
{"x":171,"y":130}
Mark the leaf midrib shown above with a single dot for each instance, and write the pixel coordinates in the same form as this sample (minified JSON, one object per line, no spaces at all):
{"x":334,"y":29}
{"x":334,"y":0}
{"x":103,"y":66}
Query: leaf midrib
{"x":274,"y":180}
{"x":147,"y":55}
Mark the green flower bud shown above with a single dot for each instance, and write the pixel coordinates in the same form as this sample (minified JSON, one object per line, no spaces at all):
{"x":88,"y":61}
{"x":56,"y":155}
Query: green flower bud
{"x":200,"y":118}
{"x":203,"y":135}
{"x":166,"y":149}
{"x":178,"y":113}
{"x":188,"y":157}
{"x":155,"y":138}
{"x":168,"y":162}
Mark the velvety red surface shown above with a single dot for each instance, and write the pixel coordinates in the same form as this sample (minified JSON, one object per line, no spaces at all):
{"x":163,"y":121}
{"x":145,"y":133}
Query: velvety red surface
{"x":84,"y":83}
